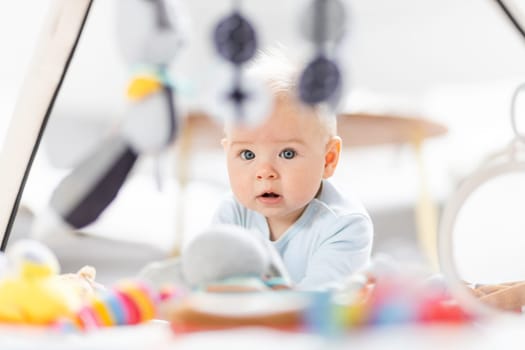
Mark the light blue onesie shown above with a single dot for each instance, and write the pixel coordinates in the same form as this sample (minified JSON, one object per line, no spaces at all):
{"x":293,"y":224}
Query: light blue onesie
{"x":331,"y":239}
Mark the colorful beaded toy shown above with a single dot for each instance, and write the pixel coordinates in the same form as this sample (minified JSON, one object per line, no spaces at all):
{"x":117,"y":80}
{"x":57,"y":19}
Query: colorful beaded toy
{"x":128,"y":303}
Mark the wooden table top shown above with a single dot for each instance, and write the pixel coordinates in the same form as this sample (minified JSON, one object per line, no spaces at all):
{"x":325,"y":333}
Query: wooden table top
{"x":355,"y":129}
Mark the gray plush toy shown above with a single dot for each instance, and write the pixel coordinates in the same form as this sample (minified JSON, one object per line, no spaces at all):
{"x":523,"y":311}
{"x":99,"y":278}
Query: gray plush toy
{"x":220,"y":253}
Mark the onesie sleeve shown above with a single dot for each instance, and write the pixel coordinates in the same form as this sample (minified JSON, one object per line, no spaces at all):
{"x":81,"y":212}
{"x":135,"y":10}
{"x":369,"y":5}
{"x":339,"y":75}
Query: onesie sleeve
{"x":227,"y":212}
{"x":343,"y":249}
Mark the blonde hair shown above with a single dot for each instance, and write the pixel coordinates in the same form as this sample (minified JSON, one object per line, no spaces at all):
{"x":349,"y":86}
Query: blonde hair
{"x":280,"y":70}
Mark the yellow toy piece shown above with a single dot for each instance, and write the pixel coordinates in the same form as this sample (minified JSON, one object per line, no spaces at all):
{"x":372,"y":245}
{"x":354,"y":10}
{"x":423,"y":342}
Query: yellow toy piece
{"x":31,"y":293}
{"x":142,"y":87}
{"x":35,"y":298}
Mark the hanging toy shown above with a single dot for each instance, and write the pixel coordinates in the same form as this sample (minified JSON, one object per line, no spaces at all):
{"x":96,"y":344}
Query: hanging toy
{"x":150,"y":36}
{"x":246,"y":101}
{"x":321,"y":80}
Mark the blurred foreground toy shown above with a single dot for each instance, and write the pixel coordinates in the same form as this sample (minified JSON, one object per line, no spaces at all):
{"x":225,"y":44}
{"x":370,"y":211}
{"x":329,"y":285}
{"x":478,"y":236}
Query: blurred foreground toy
{"x":234,"y":279}
{"x":367,"y":301}
{"x":33,"y":293}
{"x":127,"y":303}
{"x":222,"y":258}
{"x":30,"y":292}
{"x":205,"y":311}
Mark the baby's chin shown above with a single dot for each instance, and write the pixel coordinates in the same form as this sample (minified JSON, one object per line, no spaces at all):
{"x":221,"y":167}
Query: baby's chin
{"x":288,"y":213}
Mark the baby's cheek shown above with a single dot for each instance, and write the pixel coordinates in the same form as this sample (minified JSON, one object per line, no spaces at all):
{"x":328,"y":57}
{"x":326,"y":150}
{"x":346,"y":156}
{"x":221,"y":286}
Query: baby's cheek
{"x":240,"y":186}
{"x":304,"y":189}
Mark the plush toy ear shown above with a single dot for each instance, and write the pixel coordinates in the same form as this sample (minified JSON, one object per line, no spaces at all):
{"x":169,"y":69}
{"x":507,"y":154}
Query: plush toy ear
{"x":331,"y":157}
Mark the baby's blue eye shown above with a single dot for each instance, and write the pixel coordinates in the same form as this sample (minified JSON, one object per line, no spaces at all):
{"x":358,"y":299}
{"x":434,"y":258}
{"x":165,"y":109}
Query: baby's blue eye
{"x":247,"y":154}
{"x":287,"y":153}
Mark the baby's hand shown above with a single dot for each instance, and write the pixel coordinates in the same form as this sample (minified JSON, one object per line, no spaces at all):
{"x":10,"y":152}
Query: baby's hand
{"x":505,"y":296}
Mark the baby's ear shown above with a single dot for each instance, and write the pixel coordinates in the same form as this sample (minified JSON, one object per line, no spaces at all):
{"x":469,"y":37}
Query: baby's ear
{"x":331,"y":157}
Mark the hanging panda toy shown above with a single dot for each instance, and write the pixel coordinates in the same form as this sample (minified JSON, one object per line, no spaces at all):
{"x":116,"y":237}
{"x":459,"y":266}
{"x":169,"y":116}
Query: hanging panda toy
{"x":150,"y":35}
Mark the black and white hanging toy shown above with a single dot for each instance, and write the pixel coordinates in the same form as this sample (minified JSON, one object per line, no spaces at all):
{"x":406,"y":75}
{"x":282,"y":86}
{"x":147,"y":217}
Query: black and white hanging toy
{"x":243,"y":100}
{"x":150,"y":34}
{"x":324,"y":26}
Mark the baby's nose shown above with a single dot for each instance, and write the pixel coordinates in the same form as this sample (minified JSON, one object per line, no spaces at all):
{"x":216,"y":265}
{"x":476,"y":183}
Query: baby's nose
{"x":266,"y":172}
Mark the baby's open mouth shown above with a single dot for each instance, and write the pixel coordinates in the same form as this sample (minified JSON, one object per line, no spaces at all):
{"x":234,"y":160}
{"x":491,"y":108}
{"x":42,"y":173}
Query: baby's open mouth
{"x":270,"y":195}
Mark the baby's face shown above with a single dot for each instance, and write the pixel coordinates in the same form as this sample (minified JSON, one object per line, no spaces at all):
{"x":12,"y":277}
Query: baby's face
{"x":276,"y":169}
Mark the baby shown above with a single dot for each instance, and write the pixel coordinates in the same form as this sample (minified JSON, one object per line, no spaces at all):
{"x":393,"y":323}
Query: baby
{"x":278,"y":174}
